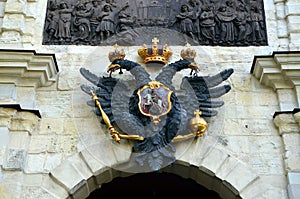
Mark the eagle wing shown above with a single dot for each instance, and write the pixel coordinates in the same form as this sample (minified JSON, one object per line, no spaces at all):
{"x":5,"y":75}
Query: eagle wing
{"x":114,"y":96}
{"x":205,"y":90}
{"x":103,"y":88}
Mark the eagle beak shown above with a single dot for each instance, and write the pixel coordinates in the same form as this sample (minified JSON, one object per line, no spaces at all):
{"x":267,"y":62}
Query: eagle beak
{"x":112,"y":68}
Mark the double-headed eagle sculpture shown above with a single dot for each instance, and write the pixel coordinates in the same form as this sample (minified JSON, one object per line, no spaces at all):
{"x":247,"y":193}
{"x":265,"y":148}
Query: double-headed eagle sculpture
{"x":152,"y":113}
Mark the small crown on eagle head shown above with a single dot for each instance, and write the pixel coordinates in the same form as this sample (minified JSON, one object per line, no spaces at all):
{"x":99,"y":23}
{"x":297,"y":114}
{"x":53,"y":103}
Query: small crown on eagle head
{"x":155,"y":53}
{"x":188,"y":53}
{"x":116,"y":54}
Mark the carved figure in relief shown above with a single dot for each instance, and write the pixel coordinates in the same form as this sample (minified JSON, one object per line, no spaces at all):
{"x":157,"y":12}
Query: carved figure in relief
{"x":94,"y":22}
{"x":81,"y":22}
{"x":185,"y":18}
{"x":207,"y":22}
{"x":101,"y":22}
{"x":242,"y":24}
{"x":64,"y":22}
{"x":256,"y":25}
{"x":225,"y":16}
{"x":195,"y":6}
{"x":107,"y":26}
{"x":52,"y":20}
{"x":125,"y":20}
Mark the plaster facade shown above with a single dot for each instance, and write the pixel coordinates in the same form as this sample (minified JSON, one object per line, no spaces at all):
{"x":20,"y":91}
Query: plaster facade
{"x":53,"y":146}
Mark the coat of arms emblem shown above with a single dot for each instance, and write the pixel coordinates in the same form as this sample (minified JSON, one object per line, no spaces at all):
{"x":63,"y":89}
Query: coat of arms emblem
{"x":155,"y":114}
{"x":154,"y":100}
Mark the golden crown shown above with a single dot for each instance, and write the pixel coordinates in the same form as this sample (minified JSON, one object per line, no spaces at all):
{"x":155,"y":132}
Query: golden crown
{"x":116,"y":54}
{"x":188,"y":53}
{"x":156,"y":53}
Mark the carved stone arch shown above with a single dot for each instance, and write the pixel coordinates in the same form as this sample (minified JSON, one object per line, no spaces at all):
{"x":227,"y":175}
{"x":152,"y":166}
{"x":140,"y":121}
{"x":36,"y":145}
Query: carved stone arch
{"x":80,"y":174}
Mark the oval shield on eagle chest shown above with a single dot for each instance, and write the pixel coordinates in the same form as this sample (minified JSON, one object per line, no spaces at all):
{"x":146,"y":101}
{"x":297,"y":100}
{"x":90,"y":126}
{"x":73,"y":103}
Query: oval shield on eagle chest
{"x":154,"y":101}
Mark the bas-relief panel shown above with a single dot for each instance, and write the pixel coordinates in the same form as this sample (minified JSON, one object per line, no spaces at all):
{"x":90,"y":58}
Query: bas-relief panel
{"x":135,"y":22}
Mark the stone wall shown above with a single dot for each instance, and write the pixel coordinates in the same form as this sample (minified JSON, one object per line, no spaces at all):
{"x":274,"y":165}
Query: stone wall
{"x":61,"y":153}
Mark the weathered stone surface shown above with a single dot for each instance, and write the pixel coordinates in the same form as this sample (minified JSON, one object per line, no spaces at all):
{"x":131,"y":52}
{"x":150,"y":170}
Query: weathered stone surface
{"x":19,"y":140}
{"x":15,"y":159}
{"x":5,"y":194}
{"x":32,"y":192}
{"x":24,"y":121}
{"x":15,"y":6}
{"x":35,"y":163}
{"x":67,"y":175}
{"x":213,"y":160}
{"x":52,"y":161}
{"x":262,"y":186}
{"x":14,"y":22}
{"x":249,"y":176}
{"x":8,"y":93}
{"x":53,"y":188}
{"x":4,"y":137}
{"x":293,"y":191}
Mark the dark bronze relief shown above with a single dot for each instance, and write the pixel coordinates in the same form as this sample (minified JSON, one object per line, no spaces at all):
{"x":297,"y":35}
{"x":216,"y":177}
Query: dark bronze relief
{"x":177,"y":22}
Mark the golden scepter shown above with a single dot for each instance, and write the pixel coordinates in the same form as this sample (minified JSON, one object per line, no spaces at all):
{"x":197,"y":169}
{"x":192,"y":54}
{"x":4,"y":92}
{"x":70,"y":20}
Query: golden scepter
{"x":114,"y":134}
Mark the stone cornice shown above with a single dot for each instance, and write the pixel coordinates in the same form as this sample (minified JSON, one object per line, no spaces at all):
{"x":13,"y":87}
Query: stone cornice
{"x":27,"y":68}
{"x":279,"y":70}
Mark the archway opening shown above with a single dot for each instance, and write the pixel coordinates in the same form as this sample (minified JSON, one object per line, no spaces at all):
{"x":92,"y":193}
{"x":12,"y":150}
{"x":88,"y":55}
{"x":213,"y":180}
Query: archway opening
{"x":153,"y":185}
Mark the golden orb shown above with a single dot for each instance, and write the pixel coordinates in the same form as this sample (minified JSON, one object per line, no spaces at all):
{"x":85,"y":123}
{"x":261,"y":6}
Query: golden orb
{"x":197,"y":124}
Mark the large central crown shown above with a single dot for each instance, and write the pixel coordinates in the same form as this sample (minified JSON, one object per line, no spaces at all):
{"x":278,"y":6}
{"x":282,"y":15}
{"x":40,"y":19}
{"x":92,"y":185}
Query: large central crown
{"x":156,"y":53}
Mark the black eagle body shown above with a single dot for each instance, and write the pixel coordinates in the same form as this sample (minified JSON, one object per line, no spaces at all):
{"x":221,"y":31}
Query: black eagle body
{"x":120,"y":103}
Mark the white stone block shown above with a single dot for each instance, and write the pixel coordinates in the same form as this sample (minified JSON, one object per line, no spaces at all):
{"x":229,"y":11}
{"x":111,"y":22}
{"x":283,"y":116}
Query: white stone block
{"x":10,"y":39}
{"x":294,"y":191}
{"x":23,"y":123}
{"x":13,"y":22}
{"x":83,"y":169}
{"x":19,"y":140}
{"x":95,"y":165}
{"x":39,"y":143}
{"x":291,"y":141}
{"x":16,"y":6}
{"x":284,"y":44}
{"x":294,"y":23}
{"x":292,"y":8}
{"x":53,"y":188}
{"x":280,"y":10}
{"x":295,"y":39}
{"x":35,"y":163}
{"x":52,"y":161}
{"x":29,"y":29}
{"x":267,"y":164}
{"x":282,"y":28}
{"x":4,"y":137}
{"x":294,"y":177}
{"x":228,"y":165}
{"x":7,"y":93}
{"x":292,"y":161}
{"x":74,"y":175}
{"x":287,"y":99}
{"x":36,"y":192}
{"x":31,"y":11}
{"x":15,"y":159}
{"x":2,"y":9}
{"x":11,"y":189}
{"x":67,"y":175}
{"x":209,"y":163}
{"x":238,"y":182}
